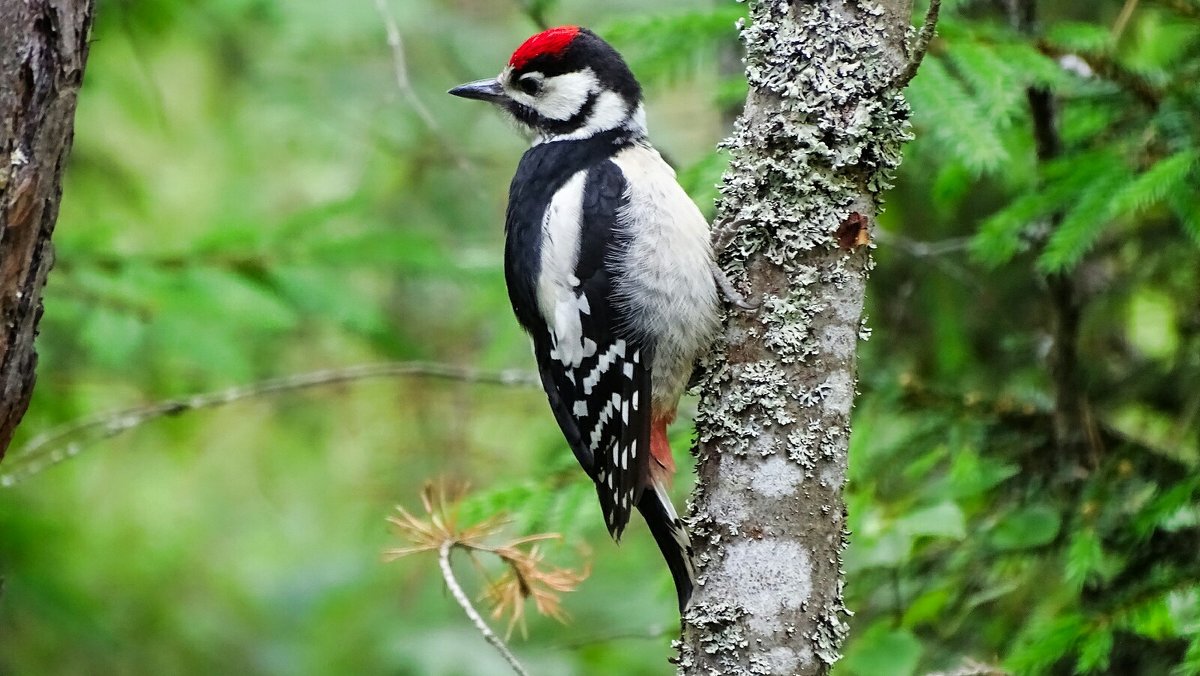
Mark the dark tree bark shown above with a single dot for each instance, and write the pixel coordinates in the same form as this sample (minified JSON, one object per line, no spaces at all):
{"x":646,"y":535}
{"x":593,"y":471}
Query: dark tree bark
{"x":43,"y":47}
{"x":813,"y":151}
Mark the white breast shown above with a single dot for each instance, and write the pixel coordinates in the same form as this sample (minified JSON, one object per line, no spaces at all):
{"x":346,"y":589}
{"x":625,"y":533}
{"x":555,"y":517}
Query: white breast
{"x":666,"y":278}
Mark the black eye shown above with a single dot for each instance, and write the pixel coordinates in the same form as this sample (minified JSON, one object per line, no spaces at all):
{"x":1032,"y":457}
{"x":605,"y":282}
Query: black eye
{"x":530,"y":84}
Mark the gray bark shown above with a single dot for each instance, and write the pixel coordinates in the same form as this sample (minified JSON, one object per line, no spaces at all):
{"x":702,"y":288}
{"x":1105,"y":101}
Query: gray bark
{"x":813,"y":151}
{"x":43,"y":47}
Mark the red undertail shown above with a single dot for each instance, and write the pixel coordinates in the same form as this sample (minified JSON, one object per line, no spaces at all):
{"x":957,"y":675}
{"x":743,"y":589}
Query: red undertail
{"x":663,"y":466}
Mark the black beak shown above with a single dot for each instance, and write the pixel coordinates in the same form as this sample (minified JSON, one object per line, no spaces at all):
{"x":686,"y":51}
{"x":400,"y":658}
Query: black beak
{"x":484,"y":90}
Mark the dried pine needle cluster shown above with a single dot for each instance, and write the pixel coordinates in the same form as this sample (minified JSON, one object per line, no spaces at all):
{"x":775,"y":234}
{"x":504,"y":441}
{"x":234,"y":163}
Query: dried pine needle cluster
{"x":526,"y":574}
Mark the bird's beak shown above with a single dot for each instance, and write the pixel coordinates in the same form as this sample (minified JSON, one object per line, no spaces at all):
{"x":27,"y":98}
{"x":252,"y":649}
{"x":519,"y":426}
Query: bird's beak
{"x":484,"y":90}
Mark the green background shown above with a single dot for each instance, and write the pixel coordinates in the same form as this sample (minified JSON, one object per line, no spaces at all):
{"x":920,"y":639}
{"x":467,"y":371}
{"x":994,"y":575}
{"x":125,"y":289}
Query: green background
{"x":252,"y":195}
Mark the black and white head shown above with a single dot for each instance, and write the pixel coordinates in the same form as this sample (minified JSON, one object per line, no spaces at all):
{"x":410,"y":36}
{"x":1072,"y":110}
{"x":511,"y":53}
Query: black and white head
{"x":565,"y":83}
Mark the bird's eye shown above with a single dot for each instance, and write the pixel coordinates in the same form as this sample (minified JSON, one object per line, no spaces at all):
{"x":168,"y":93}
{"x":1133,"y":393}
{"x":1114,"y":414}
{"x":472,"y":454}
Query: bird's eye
{"x":530,"y":84}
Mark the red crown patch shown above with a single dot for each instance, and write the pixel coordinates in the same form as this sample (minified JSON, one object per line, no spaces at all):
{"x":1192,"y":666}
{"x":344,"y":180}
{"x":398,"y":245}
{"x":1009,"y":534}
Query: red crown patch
{"x":546,"y":43}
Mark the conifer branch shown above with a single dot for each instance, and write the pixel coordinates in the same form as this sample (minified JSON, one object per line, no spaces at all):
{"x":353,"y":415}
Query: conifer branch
{"x":473,"y":615}
{"x":528,"y":576}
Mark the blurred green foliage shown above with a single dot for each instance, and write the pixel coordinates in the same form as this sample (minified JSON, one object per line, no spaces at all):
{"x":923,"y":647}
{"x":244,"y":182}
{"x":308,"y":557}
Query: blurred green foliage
{"x":252,"y":195}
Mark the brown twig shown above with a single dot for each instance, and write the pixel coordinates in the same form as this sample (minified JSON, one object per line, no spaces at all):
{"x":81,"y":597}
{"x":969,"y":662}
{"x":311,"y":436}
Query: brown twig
{"x":64,"y":441}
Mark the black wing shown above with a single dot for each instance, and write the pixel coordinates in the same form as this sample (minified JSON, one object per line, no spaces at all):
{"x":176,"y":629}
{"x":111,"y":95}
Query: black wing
{"x":602,"y":401}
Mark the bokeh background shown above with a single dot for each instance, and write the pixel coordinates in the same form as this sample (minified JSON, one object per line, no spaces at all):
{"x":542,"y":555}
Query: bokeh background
{"x":253,"y":194}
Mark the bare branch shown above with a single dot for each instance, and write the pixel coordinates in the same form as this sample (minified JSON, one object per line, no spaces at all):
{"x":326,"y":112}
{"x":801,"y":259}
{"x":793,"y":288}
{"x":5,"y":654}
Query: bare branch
{"x":404,"y":84}
{"x":924,"y":37}
{"x":1109,"y":69}
{"x":938,"y":251}
{"x":1123,"y":19}
{"x":465,"y":603}
{"x":400,"y":65}
{"x":651,"y":633}
{"x":919,"y":249}
{"x":64,"y":441}
{"x":536,"y":12}
{"x":1187,"y":8}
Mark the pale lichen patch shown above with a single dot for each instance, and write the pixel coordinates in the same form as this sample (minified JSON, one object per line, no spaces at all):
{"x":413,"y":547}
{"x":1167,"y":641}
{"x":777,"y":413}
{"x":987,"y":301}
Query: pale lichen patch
{"x":838,"y":341}
{"x":776,"y":478}
{"x":765,"y":575}
{"x":782,"y":660}
{"x":839,"y":387}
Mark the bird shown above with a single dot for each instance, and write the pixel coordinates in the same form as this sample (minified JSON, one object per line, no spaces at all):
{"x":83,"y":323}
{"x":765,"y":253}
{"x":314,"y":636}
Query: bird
{"x":609,"y":269}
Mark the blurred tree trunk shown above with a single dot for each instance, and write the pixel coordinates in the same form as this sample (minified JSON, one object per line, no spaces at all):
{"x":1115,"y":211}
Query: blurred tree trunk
{"x":43,"y":47}
{"x":815,"y":147}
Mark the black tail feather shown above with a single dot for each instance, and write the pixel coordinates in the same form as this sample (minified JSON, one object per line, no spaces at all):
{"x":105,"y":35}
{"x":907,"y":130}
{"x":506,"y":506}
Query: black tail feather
{"x":672,"y":539}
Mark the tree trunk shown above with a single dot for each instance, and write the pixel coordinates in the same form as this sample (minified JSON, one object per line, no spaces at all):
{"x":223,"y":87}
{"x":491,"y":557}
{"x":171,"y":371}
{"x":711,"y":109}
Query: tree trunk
{"x":43,"y":47}
{"x":814,"y":149}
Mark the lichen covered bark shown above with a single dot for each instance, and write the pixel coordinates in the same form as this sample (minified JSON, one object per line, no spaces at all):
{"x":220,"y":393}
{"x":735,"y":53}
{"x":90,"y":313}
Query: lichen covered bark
{"x":43,"y":47}
{"x":813,"y":151}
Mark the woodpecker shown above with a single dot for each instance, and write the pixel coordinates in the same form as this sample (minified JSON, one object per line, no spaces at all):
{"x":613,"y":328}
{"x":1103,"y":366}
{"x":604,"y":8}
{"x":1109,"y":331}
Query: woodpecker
{"x":609,"y":269}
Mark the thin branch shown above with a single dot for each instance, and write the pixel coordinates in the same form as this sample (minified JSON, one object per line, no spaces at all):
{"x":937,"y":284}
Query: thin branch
{"x":465,"y":603}
{"x":919,"y":249}
{"x":939,"y":251}
{"x":1107,"y":68}
{"x":536,"y":12}
{"x":404,"y":84}
{"x":1123,"y":19}
{"x":652,"y":632}
{"x":400,"y":65}
{"x":924,"y":37}
{"x":1185,"y":8}
{"x":64,"y":441}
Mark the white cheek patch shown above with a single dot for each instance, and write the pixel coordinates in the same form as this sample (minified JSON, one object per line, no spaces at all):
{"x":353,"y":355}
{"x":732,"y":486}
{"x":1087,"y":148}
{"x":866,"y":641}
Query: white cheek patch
{"x":638,"y":120}
{"x":610,"y":112}
{"x":564,"y":95}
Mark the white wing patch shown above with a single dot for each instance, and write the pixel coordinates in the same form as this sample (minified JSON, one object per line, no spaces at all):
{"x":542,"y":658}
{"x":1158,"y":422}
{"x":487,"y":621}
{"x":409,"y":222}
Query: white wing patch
{"x":560,"y":303}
